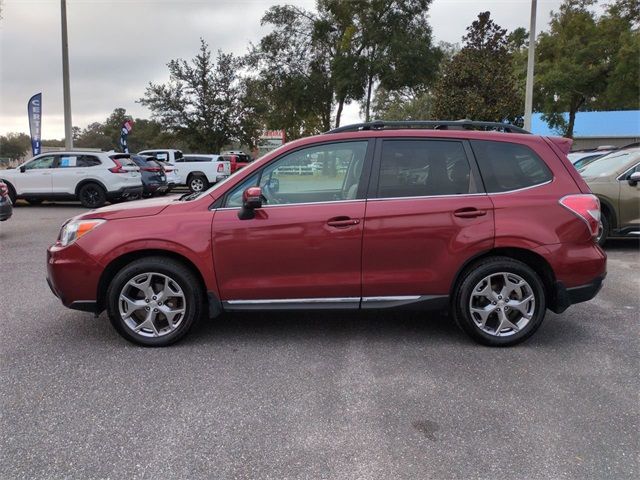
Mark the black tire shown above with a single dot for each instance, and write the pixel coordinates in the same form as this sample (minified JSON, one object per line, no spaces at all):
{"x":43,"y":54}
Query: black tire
{"x":34,"y":201}
{"x":179,"y":273}
{"x":604,"y":229}
{"x":197,"y":183}
{"x":473,"y":276}
{"x":12,"y":193}
{"x":92,"y":195}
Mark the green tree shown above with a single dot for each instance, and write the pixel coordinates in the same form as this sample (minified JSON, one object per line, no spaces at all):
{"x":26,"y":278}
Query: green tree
{"x":203,"y":102}
{"x":404,"y":104}
{"x":475,"y":84}
{"x":14,"y":145}
{"x":587,"y":63}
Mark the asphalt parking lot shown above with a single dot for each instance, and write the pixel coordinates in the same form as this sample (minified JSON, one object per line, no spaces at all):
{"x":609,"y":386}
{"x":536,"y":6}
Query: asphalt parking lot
{"x":345,"y":396}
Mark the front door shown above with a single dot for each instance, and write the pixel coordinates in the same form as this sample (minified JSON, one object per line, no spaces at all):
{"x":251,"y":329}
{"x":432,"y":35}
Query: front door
{"x":629,"y":203}
{"x":304,"y":244}
{"x":425,"y":215}
{"x":36,"y":178}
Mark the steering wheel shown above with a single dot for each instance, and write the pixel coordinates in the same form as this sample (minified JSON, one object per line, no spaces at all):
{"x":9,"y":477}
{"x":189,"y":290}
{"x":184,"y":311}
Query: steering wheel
{"x":270,"y":196}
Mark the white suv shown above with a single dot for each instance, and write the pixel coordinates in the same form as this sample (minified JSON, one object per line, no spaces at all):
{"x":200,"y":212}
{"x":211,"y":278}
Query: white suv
{"x":91,"y":177}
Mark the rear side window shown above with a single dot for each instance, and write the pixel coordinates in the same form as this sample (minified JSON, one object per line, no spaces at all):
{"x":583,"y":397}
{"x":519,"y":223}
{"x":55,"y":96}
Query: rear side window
{"x":416,"y":168}
{"x":509,"y":166}
{"x":88,"y":161}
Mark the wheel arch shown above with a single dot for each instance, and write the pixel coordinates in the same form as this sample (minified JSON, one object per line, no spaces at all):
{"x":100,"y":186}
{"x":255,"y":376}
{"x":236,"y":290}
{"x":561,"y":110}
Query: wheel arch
{"x":607,"y":208}
{"x":85,"y":181}
{"x":533,"y":260}
{"x":116,"y":264}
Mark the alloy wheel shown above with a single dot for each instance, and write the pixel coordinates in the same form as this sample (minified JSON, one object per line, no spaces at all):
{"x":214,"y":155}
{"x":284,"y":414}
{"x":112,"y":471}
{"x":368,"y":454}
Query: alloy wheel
{"x":502,"y":304}
{"x":152,"y":304}
{"x":197,"y":185}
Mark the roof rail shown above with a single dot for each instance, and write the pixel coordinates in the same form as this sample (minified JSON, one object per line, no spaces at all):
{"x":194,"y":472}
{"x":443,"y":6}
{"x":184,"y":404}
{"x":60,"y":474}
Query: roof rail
{"x":430,"y":124}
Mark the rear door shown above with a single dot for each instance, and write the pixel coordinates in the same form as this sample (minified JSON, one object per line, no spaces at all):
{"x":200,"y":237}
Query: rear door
{"x":426,"y":215}
{"x":71,"y":170}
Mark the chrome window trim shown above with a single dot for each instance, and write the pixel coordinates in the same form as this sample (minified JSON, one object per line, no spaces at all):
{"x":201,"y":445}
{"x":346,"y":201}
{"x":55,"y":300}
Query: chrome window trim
{"x":293,"y":204}
{"x":426,"y":196}
{"x":525,"y":188}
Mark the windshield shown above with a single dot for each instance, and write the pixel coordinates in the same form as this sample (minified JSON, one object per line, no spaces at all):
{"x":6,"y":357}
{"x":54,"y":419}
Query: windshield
{"x":610,"y":164}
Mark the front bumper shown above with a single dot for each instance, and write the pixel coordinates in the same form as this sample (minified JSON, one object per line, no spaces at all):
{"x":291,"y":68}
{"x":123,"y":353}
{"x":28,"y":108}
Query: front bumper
{"x":125,"y":192}
{"x":6,"y":210}
{"x":73,"y":277}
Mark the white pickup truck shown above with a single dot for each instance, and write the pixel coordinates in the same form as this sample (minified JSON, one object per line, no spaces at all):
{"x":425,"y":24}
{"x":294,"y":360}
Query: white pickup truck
{"x":196,"y":171}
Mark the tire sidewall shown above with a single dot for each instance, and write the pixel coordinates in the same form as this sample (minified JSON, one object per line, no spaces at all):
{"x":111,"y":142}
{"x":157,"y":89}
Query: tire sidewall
{"x":473,"y":276}
{"x":180,"y":274}
{"x":101,"y":195}
{"x":202,"y":179}
{"x":605,"y":230}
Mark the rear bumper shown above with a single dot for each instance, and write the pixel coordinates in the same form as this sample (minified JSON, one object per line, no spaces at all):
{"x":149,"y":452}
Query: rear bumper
{"x":125,"y":192}
{"x":565,"y":297}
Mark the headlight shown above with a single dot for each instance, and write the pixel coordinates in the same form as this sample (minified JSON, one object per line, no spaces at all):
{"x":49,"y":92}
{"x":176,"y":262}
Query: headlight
{"x":74,"y":229}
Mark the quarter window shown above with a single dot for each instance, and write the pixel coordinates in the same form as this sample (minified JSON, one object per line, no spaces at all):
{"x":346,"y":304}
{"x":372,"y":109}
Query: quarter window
{"x":509,"y":166}
{"x":415,"y":168}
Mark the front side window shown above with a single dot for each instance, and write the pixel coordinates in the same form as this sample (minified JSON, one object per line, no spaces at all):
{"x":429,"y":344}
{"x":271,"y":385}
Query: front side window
{"x":414,"y":168}
{"x":509,"y":166}
{"x":42,"y":162}
{"x":322,"y":173}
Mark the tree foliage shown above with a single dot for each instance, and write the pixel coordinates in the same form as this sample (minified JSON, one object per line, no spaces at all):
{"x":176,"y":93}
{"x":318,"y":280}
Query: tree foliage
{"x":478,"y":82}
{"x":203,"y":101}
{"x":587,"y":63}
{"x":14,"y":145}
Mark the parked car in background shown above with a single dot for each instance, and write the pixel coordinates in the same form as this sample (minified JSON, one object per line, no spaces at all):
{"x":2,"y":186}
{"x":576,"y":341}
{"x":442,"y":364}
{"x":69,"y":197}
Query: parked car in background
{"x":237,"y":159}
{"x":496,"y":227}
{"x":6,"y":207}
{"x":154,"y":179}
{"x":91,"y":177}
{"x":222,"y":168}
{"x":614,"y":179}
{"x":171,"y":172}
{"x":584,"y":161}
{"x":577,"y":155}
{"x":198,"y":172}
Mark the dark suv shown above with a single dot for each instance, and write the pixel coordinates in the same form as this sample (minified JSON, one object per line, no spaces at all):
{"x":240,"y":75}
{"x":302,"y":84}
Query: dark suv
{"x":481,"y":219}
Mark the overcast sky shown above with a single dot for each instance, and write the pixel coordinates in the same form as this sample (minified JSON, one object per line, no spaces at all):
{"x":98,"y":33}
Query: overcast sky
{"x":117,"y":46}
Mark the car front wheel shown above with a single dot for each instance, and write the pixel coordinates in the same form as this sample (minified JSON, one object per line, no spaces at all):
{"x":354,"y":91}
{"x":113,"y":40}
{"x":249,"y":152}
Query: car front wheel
{"x":500,"y":302}
{"x":154,"y":301}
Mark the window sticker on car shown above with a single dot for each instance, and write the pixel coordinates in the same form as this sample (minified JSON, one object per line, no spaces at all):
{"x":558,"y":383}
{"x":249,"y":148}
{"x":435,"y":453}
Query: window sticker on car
{"x":68,"y":161}
{"x":162,"y":156}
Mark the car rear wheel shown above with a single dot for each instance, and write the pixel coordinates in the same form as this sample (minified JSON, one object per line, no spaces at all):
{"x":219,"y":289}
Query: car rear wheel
{"x":198,"y":183}
{"x":92,"y":195}
{"x":500,"y":302}
{"x":154,"y":301}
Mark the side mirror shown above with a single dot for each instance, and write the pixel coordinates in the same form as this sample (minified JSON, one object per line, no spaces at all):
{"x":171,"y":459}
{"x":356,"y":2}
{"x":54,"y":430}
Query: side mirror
{"x":634,"y":178}
{"x":22,"y":169}
{"x":251,"y":199}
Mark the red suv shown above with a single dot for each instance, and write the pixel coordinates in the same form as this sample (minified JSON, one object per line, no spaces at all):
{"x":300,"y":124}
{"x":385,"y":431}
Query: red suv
{"x":482,"y":219}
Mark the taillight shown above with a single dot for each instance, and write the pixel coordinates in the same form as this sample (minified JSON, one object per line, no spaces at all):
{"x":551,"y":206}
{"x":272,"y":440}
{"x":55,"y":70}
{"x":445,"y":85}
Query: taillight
{"x":4,"y":190}
{"x":586,"y":207}
{"x":220,"y":167}
{"x":118,"y":168}
{"x":151,"y":169}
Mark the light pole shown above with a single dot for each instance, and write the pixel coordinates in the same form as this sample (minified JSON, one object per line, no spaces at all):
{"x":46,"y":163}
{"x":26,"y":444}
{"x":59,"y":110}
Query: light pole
{"x":528,"y":97}
{"x":68,"y":133}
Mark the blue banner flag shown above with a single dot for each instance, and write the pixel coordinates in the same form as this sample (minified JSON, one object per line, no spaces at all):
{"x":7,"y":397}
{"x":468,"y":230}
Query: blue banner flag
{"x":34,"y":110}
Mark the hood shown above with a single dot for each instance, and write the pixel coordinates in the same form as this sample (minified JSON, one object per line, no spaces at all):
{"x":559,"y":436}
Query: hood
{"x":139,"y":208}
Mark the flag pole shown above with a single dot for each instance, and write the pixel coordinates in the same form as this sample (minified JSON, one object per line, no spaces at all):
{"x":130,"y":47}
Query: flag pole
{"x":528,"y":101}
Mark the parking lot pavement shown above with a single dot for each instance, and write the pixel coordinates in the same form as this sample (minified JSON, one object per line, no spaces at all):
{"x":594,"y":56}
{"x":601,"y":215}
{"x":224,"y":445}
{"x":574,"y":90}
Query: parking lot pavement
{"x":376,"y":395}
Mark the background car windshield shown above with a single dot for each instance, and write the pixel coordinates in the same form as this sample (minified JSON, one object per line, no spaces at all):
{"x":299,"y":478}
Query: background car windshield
{"x":610,"y":164}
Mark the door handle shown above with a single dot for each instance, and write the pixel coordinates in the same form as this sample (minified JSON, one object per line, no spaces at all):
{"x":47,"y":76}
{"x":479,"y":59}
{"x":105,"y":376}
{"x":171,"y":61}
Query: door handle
{"x":469,"y":212}
{"x":342,"y":222}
